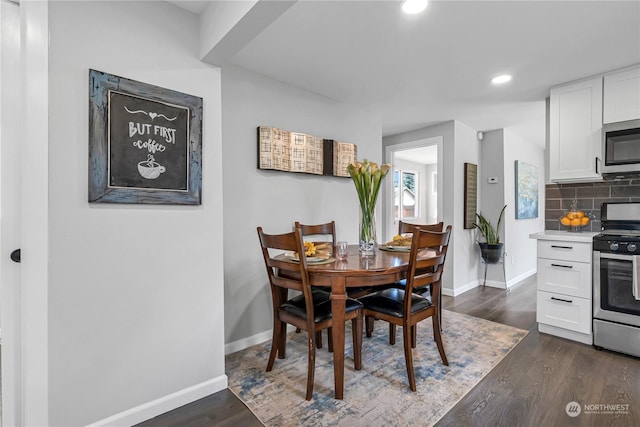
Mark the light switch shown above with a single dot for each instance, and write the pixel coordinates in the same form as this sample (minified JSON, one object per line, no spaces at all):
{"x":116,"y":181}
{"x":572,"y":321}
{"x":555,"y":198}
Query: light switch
{"x":492,"y":180}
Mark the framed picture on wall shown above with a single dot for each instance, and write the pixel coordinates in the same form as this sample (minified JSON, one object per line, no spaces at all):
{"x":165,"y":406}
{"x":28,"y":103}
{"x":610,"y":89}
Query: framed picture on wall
{"x":145,"y":143}
{"x":526,"y":176}
{"x":470,"y":194}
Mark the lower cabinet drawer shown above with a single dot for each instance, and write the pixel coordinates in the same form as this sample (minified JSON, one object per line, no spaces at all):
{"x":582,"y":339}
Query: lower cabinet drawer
{"x":564,"y":277}
{"x":566,"y":312}
{"x":568,"y":251}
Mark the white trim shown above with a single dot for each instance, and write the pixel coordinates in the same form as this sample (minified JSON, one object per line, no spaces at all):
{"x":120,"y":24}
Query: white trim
{"x":387,"y":197}
{"x":460,"y":289}
{"x":238,"y":345}
{"x":515,"y":281}
{"x":511,"y":282}
{"x":164,"y":404}
{"x":10,"y":231}
{"x":34,"y":227}
{"x":565,"y":333}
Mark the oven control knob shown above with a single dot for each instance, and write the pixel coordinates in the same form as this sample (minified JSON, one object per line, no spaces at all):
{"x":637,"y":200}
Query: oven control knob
{"x":631,"y":247}
{"x":613,"y":246}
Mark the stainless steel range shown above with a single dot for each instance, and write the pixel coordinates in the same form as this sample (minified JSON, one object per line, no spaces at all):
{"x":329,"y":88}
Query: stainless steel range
{"x":616,"y":279}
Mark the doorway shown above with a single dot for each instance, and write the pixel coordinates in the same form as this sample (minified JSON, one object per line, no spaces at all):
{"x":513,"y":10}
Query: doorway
{"x":414,"y":192}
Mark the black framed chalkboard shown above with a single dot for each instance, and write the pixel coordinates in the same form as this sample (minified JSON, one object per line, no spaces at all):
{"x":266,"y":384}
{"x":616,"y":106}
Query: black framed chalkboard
{"x":145,"y":143}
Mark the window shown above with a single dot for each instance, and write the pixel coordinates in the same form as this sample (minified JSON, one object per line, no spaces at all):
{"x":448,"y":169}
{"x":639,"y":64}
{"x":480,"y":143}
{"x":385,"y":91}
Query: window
{"x":405,"y":190}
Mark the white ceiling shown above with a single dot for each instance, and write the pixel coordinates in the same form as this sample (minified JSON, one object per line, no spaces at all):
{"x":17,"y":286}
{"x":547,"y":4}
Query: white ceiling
{"x":416,"y":71}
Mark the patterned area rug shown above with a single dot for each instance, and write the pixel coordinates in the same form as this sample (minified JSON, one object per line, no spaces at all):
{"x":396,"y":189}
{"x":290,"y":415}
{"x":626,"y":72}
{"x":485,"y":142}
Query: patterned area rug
{"x":379,"y":394}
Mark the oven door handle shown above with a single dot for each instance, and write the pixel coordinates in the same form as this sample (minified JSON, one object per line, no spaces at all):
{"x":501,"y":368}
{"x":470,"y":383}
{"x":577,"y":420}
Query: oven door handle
{"x":618,"y":256}
{"x":635,"y":288}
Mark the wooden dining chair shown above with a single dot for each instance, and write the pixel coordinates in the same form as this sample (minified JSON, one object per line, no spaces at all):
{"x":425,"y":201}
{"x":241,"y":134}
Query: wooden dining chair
{"x":326,"y":232}
{"x":403,"y":307}
{"x":327,"y":229}
{"x":309,"y":311}
{"x":406,"y":228}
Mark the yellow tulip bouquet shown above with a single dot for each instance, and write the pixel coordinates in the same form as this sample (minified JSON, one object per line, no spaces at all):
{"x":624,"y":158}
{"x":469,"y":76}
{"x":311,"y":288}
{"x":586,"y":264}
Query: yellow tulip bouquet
{"x":367,"y":177}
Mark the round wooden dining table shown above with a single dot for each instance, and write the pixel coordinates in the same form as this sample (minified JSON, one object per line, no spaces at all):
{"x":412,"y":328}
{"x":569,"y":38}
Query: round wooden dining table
{"x":383,"y":268}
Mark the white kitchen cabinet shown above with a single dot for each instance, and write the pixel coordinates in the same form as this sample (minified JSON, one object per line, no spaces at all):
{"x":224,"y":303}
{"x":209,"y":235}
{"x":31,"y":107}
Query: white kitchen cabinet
{"x":564,"y":280}
{"x":621,"y":97}
{"x":575,"y":131}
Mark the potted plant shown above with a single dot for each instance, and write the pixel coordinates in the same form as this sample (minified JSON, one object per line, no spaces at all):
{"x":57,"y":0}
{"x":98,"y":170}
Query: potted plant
{"x":491,"y":248}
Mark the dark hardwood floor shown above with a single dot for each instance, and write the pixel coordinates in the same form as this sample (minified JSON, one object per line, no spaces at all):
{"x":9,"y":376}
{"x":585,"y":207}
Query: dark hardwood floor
{"x":531,"y":386}
{"x":222,"y":409}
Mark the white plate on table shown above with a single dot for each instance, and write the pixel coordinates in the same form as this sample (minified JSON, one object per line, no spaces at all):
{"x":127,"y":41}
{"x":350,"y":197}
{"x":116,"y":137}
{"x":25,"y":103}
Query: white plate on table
{"x":310,"y":259}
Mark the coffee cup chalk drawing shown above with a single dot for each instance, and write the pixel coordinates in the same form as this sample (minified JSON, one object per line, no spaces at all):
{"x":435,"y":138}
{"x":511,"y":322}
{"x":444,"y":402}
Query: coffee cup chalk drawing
{"x":150,"y":169}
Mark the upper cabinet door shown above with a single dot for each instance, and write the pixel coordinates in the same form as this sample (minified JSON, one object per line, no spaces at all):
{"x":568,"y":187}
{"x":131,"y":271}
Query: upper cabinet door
{"x":622,"y":96}
{"x":575,"y":127}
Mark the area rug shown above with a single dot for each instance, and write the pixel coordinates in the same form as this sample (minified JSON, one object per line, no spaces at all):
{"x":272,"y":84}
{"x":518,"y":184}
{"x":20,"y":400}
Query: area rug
{"x":379,"y":394}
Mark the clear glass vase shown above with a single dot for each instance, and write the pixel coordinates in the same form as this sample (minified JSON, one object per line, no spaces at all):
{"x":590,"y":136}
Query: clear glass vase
{"x":367,"y":241}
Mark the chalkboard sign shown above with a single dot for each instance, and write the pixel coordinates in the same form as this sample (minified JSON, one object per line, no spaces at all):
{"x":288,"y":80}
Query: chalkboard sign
{"x":144,"y":143}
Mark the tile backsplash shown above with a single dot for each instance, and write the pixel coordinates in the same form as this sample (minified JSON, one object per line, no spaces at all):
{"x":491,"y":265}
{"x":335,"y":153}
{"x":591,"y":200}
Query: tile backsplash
{"x":589,"y":196}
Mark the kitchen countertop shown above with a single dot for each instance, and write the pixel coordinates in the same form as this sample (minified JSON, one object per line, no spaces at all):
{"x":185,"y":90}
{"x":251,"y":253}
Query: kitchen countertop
{"x":581,"y":236}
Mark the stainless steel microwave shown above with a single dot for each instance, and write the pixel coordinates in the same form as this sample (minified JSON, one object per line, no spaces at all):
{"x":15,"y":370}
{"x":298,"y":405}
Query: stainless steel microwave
{"x":621,"y":147}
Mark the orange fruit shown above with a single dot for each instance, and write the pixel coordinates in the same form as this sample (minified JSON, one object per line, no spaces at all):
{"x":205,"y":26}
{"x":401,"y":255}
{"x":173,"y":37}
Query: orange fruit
{"x":565,"y":221}
{"x":575,"y":222}
{"x":584,"y":220}
{"x":571,"y":215}
{"x":580,"y":214}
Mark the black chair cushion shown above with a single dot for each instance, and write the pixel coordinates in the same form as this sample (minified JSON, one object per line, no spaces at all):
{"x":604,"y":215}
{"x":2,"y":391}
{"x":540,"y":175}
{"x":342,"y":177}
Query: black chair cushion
{"x":391,"y":301}
{"x":322,"y":306}
{"x":401,"y":284}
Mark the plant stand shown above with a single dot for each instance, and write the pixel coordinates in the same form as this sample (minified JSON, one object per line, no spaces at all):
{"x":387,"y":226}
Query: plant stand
{"x":504,"y":273}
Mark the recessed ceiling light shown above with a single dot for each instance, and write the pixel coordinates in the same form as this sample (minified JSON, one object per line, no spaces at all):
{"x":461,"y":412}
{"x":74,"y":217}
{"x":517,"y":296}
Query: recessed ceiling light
{"x":411,"y":7}
{"x":501,"y":79}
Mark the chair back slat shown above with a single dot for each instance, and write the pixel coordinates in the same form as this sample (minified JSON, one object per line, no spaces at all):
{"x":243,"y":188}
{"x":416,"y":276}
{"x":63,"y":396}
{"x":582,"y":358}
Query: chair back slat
{"x":405,"y":227}
{"x":328,"y":230}
{"x":287,"y":283}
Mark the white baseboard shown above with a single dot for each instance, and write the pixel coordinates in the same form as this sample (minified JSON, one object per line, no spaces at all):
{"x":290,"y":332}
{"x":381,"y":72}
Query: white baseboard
{"x":234,"y":346}
{"x":460,"y":289}
{"x":521,"y":278}
{"x":164,"y":404}
{"x":565,"y":333}
{"x":492,"y":283}
{"x":512,"y":282}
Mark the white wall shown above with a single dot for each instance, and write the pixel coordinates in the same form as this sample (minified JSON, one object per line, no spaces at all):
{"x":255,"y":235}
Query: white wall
{"x":521,"y":256}
{"x":467,"y":150}
{"x":135,"y":292}
{"x":274,"y":200}
{"x":492,"y":197}
{"x":500,"y":149}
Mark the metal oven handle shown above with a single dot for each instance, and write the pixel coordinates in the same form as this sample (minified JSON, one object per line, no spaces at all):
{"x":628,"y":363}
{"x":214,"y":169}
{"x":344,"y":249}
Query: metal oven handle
{"x":635,"y":288}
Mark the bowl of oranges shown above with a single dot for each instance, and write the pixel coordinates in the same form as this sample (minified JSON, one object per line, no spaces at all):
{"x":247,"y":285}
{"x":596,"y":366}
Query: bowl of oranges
{"x":575,"y":220}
